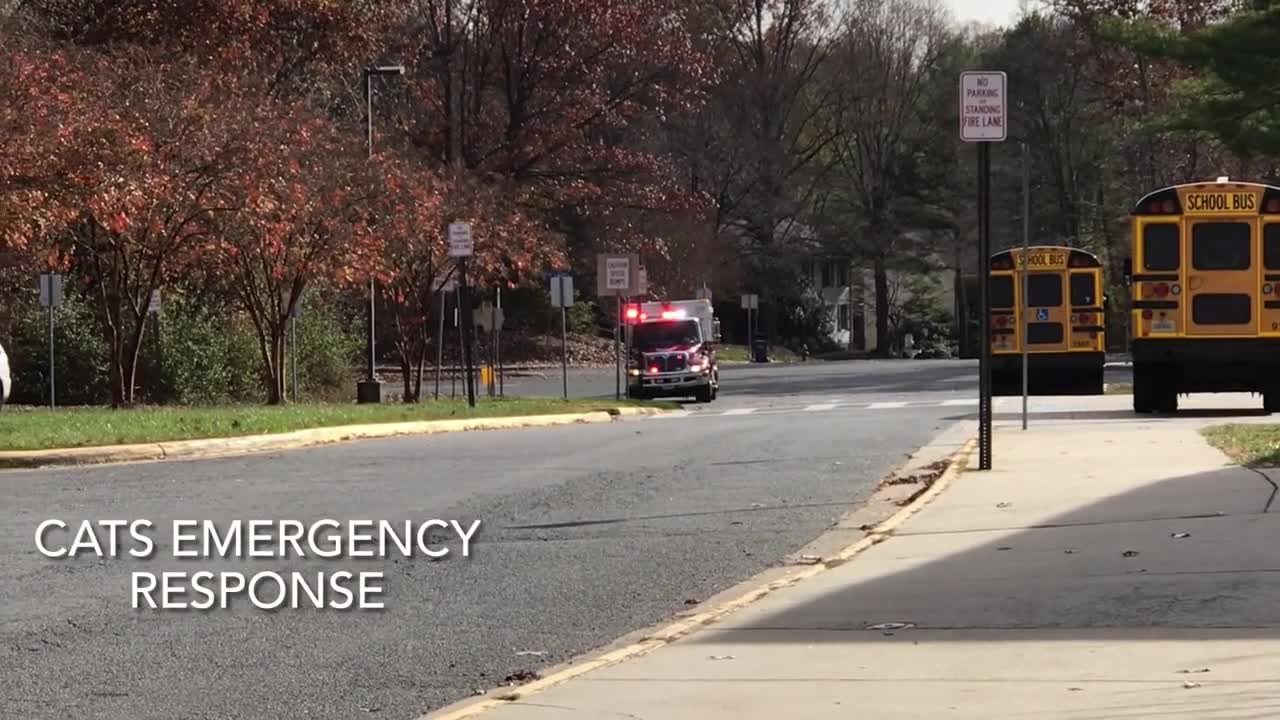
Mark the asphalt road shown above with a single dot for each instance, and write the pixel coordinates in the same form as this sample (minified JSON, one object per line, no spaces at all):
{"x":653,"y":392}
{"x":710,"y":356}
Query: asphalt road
{"x":588,"y":532}
{"x":759,"y":380}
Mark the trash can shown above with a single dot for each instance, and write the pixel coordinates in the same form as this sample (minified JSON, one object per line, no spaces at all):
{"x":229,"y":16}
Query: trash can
{"x":760,"y":350}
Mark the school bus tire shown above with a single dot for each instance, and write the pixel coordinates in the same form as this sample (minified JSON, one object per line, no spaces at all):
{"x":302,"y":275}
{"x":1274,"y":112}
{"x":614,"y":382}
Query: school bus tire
{"x":1271,"y":401}
{"x":1144,"y":391}
{"x":1166,"y":391}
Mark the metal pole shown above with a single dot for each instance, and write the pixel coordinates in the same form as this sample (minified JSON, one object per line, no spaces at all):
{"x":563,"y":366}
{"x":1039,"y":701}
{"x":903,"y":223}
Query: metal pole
{"x":293,"y":353}
{"x":370,"y":377}
{"x":617,"y":349}
{"x":51,"y":393}
{"x":497,"y":352}
{"x":457,"y":321}
{"x":493,"y":351}
{"x":984,"y":275}
{"x":564,"y":342}
{"x":440,"y":340}
{"x":1026,"y":246}
{"x":465,"y":311}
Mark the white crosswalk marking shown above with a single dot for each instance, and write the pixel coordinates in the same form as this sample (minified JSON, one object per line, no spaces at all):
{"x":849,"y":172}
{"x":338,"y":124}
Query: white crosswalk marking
{"x":824,"y":406}
{"x":740,"y":411}
{"x":885,"y":405}
{"x":964,"y":401}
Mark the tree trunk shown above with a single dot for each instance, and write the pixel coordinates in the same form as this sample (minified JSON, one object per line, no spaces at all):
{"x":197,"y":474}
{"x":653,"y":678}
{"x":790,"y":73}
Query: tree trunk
{"x":275,"y":390}
{"x":881,"y":274}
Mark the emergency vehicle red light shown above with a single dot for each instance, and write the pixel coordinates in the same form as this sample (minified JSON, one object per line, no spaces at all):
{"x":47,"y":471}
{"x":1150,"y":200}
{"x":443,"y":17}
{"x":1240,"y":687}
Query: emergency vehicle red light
{"x":633,"y":313}
{"x":653,"y":370}
{"x":672,"y":314}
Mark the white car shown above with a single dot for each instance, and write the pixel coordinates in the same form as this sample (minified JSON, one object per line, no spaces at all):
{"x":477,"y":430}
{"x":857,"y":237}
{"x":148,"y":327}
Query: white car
{"x":6,"y":384}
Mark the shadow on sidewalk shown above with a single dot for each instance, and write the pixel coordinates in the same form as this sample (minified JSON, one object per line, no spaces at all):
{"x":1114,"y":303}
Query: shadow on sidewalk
{"x":1193,"y":414}
{"x":1193,"y":552}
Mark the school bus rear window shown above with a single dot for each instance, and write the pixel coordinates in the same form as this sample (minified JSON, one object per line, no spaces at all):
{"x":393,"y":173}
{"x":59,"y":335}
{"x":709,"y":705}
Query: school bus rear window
{"x":1082,"y":291}
{"x":1044,"y":290}
{"x":1220,"y":246}
{"x":1002,"y":291}
{"x":1160,"y":247}
{"x":1271,"y":246}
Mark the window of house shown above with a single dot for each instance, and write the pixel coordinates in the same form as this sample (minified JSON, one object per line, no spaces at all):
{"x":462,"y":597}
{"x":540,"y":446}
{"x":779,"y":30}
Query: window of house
{"x":827,"y":279}
{"x":842,"y":318}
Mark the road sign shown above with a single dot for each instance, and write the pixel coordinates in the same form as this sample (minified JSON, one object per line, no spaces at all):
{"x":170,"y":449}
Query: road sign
{"x":153,"y":302}
{"x":1042,"y":314}
{"x":562,"y":291}
{"x":487,"y":317}
{"x":617,"y":274}
{"x":50,"y":290}
{"x":461,"y":243}
{"x":984,"y":106}
{"x":750,"y":302}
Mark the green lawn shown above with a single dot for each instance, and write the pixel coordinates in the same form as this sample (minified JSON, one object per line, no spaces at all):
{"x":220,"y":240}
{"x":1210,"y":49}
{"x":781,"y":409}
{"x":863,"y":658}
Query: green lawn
{"x":41,"y":428}
{"x":1247,"y":444}
{"x":1118,"y":389}
{"x":741,"y":354}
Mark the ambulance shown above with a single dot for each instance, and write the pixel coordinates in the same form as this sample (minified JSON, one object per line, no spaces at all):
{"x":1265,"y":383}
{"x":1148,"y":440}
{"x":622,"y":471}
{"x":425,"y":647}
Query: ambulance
{"x":671,"y":350}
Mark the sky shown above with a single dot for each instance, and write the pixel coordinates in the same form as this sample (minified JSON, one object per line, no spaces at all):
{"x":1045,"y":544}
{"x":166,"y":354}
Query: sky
{"x":991,"y":12}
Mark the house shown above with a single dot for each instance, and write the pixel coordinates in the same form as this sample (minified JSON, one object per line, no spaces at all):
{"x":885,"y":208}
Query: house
{"x":848,"y":291}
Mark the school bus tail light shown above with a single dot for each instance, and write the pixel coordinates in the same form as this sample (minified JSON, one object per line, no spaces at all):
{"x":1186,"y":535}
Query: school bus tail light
{"x":1146,"y":314}
{"x":1266,"y":289}
{"x":1272,"y":206}
{"x":1162,"y":289}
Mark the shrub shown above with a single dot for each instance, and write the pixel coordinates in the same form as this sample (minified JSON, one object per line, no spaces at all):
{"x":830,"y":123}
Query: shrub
{"x":81,"y":372}
{"x":328,"y":345}
{"x":200,"y":356}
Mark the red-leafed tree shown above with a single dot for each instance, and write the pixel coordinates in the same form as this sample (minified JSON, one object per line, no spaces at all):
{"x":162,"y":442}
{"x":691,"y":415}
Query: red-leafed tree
{"x":306,"y":216}
{"x":412,"y":211}
{"x":559,"y":98}
{"x":149,"y":203}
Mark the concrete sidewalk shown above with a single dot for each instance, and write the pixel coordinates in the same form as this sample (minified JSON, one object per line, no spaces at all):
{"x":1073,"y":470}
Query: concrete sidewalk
{"x":1108,"y":567}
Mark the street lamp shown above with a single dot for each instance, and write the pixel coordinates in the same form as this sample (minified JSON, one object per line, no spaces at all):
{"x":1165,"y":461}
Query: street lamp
{"x":370,"y":389}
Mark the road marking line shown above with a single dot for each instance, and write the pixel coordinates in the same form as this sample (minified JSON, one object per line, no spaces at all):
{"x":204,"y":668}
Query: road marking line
{"x":965,"y":401}
{"x":739,"y":411}
{"x":885,"y":405}
{"x":824,"y":406}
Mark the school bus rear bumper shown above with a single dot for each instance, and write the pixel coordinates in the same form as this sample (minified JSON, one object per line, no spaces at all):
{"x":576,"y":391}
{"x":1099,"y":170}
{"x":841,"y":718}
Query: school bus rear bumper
{"x":1049,"y":361}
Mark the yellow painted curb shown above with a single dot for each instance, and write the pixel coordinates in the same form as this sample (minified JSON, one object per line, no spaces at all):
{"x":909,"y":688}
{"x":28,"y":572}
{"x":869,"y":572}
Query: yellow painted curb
{"x":219,"y":447}
{"x":686,"y":626}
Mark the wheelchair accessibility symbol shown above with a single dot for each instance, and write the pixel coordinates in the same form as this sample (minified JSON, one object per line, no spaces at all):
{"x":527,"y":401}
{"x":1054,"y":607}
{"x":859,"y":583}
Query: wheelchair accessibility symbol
{"x":1042,"y":314}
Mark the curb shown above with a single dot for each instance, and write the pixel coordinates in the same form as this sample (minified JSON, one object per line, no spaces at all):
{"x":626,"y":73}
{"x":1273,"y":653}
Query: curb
{"x":461,"y":710}
{"x":224,"y":447}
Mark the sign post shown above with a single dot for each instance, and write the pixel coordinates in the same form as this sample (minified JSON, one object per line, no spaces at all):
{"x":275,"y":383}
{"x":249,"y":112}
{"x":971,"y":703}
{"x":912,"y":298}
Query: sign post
{"x":462,"y":246}
{"x":1026,"y":249}
{"x":617,"y":275}
{"x":51,"y":297}
{"x":562,"y":297}
{"x":751,"y":303}
{"x":446,"y":287}
{"x":983,"y":114}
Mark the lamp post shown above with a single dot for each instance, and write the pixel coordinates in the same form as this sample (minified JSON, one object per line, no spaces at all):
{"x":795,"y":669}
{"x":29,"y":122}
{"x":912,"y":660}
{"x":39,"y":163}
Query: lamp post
{"x":369,"y":390}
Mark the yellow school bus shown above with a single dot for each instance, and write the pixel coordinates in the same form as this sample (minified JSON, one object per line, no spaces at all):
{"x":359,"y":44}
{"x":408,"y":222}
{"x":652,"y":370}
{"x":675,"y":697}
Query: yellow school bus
{"x":1204,"y":279}
{"x":1061,"y":318}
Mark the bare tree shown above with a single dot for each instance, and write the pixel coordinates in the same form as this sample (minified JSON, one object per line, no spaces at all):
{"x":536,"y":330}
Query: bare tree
{"x":886,"y":64}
